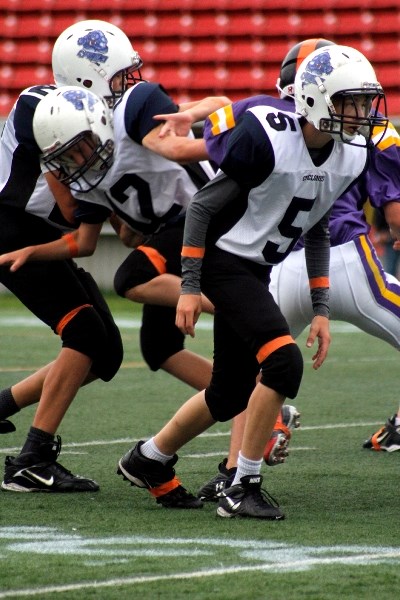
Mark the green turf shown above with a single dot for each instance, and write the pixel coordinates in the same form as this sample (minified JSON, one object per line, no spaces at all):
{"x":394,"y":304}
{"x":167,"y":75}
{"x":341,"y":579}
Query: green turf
{"x":339,"y":539}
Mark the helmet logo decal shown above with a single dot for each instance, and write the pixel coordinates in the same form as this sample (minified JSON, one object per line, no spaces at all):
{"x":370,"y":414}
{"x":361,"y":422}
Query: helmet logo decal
{"x":94,"y":47}
{"x":317,"y":68}
{"x":76,"y":98}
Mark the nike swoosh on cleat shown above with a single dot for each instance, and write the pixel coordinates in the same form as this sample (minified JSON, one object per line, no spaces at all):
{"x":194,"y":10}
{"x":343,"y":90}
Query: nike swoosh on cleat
{"x":49,"y":482}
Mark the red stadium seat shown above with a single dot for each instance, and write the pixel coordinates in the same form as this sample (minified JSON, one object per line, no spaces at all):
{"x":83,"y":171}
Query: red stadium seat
{"x":212,"y":51}
{"x":217,"y":78}
{"x":63,"y":5}
{"x":25,"y":51}
{"x":7,"y":101}
{"x":19,"y":77}
{"x":199,"y":24}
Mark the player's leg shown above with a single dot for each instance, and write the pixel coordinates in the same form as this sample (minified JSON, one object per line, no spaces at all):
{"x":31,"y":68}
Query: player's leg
{"x":29,"y":390}
{"x":52,"y":292}
{"x":290,"y":289}
{"x":363,"y":294}
{"x":248,"y":338}
{"x":150,"y":463}
{"x":163,"y":347}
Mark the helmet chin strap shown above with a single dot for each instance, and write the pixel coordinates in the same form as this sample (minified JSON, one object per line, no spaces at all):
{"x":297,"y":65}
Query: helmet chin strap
{"x":327,"y":97}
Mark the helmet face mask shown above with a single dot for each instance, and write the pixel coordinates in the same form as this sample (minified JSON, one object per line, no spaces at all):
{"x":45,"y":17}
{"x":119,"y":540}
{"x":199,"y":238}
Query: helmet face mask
{"x":83,"y":175}
{"x":73,"y":129}
{"x":328,"y":87}
{"x":122,"y":81}
{"x":93,"y":53}
{"x":366,"y":115}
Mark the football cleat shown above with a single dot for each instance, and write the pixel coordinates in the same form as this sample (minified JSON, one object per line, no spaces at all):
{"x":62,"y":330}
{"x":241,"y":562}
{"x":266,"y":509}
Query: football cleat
{"x":386,"y":438}
{"x":248,"y":500}
{"x":159,"y":479}
{"x":6,"y":426}
{"x":276,"y":450}
{"x":211,"y":491}
{"x":39,"y":472}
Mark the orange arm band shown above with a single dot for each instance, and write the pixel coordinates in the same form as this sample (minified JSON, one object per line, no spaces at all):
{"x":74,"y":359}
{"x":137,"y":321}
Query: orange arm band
{"x":72,"y":245}
{"x":319,"y":282}
{"x":192,"y":252}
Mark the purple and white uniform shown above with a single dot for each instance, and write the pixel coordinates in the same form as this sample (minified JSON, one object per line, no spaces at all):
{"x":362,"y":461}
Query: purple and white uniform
{"x":361,"y":293}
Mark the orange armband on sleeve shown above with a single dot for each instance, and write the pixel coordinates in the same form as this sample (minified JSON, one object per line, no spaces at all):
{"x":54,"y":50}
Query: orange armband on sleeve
{"x":72,"y":245}
{"x":192,"y":252}
{"x":319,"y":282}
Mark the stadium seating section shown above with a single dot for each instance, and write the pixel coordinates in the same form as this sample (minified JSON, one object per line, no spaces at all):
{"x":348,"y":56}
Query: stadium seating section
{"x":202,"y":47}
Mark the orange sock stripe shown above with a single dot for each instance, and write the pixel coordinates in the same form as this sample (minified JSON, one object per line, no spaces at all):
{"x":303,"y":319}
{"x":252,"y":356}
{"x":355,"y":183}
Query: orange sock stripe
{"x":156,"y":259}
{"x":191,"y":252}
{"x":65,"y":320}
{"x":73,"y":247}
{"x":275,"y":344}
{"x":319,"y":282}
{"x":164,"y":488}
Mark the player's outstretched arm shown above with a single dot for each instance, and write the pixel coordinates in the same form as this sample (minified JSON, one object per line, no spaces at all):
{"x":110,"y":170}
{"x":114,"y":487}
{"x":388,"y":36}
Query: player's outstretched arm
{"x":82,"y":242}
{"x":180,"y":123}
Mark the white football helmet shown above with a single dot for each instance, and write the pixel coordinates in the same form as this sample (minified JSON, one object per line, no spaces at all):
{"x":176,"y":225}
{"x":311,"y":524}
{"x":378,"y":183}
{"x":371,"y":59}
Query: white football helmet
{"x":91,"y":54}
{"x":73,"y":129}
{"x":339,"y":73}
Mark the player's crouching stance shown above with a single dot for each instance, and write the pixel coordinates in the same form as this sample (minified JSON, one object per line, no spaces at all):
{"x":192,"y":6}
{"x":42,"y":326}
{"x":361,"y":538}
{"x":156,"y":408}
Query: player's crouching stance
{"x":280,"y":176}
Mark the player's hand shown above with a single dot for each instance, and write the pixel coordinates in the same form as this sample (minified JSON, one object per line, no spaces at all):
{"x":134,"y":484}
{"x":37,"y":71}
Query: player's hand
{"x":179,"y":123}
{"x":396,"y":245}
{"x":319,"y":328}
{"x":15,"y":259}
{"x":188,"y":311}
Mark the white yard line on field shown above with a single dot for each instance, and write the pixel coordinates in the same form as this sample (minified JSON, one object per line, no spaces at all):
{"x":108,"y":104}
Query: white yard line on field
{"x":121,"y":441}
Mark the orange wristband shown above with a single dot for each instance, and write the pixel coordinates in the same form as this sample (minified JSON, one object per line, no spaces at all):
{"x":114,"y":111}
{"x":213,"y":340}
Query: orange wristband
{"x":72,"y":245}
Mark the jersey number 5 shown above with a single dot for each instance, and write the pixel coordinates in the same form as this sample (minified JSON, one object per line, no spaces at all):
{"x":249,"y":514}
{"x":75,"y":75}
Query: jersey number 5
{"x":297,"y":212}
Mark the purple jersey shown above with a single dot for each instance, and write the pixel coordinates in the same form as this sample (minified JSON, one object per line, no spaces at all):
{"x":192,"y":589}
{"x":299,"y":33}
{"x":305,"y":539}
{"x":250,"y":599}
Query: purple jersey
{"x":380,"y":183}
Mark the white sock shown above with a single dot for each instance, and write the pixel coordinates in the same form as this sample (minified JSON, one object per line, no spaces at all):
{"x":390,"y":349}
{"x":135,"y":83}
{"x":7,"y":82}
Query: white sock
{"x":245,"y":466}
{"x":150,"y":450}
{"x":397,"y":421}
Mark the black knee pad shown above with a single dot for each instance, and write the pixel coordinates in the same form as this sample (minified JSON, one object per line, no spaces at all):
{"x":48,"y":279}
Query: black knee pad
{"x":283,"y":370}
{"x":159,"y":336}
{"x":229,"y":399}
{"x":98,"y":337}
{"x":135,"y":270}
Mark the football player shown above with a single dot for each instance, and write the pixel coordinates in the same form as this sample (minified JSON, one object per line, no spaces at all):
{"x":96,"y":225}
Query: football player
{"x":61,"y":295}
{"x":280,"y":175}
{"x":361,"y":293}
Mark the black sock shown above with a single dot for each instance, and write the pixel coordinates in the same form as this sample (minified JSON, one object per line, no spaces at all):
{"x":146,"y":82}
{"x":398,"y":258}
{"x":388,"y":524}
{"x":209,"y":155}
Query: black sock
{"x":36,"y":437}
{"x":8,"y":406}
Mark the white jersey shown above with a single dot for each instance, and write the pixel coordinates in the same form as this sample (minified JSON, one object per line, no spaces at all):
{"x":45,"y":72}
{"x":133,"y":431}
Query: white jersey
{"x":294,"y":196}
{"x":145,"y":189}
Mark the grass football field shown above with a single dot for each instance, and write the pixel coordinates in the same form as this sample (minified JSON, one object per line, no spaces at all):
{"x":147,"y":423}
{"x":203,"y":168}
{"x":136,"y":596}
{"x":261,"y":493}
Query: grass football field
{"x":340,"y":536}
